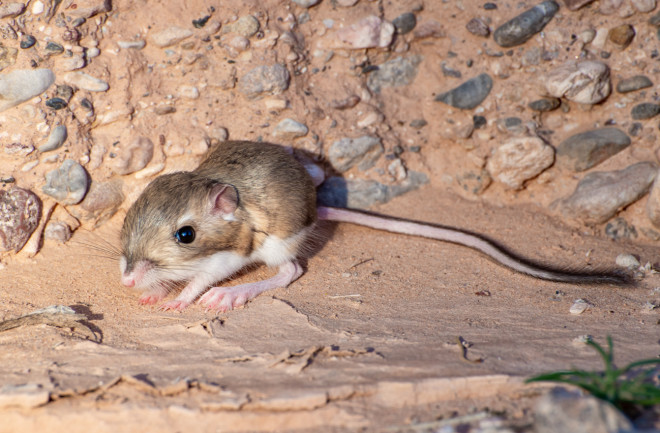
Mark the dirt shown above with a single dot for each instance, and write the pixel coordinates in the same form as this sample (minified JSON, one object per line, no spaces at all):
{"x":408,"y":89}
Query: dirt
{"x":368,"y":338}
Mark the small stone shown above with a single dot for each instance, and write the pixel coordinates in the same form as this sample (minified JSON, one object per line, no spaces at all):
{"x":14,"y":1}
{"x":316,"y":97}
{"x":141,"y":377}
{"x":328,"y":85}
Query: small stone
{"x":578,"y":307}
{"x":397,"y":170}
{"x":63,"y":91}
{"x":469,"y":94}
{"x":101,"y":202}
{"x":261,"y":80}
{"x":7,"y":56}
{"x":521,"y":28}
{"x":653,"y":203}
{"x":645,"y":110}
{"x":135,"y":156}
{"x":89,"y":8}
{"x":586,"y":82}
{"x":478,"y":27}
{"x":418,"y":123}
{"x":644,"y":6}
{"x":635,"y":129}
{"x":164,"y":109}
{"x":619,"y":228}
{"x":397,"y":72}
{"x":474,"y":182}
{"x":600,"y":195}
{"x":246,"y":26}
{"x":11,"y":10}
{"x":132,"y":45}
{"x":221,"y":134}
{"x":190,"y":92}
{"x":479,"y":121}
{"x":18,"y":148}
{"x":92,"y":52}
{"x":84,"y":81}
{"x":289,"y":129}
{"x":67,"y":184}
{"x":57,"y":231}
{"x":628,"y":261}
{"x":511,"y":125}
{"x":430,"y":29}
{"x":27,"y":41}
{"x":348,"y":152}
{"x":587,"y":149}
{"x":37,"y":7}
{"x":634,"y":83}
{"x":520,"y":159}
{"x":343,"y":104}
{"x":72,"y":63}
{"x":405,"y":23}
{"x":346,"y":3}
{"x":622,"y":35}
{"x":201,"y":22}
{"x":56,"y":103}
{"x":576,"y":4}
{"x":545,"y":104}
{"x":25,"y":396}
{"x":20,"y":212}
{"x":370,"y":32}
{"x":55,"y":140}
{"x":306,"y":3}
{"x":171,"y":36}
{"x":53,"y":48}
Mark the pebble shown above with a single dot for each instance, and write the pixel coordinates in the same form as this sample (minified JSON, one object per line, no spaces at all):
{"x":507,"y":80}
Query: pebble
{"x":645,"y":110}
{"x":56,"y":139}
{"x":584,"y":150}
{"x":20,"y":212}
{"x":644,"y":5}
{"x":84,"y":81}
{"x":57,"y":231}
{"x":478,"y":27}
{"x":653,"y":203}
{"x":11,"y":10}
{"x":520,"y":159}
{"x":89,"y":8}
{"x":306,"y":3}
{"x":370,"y":32}
{"x":348,"y":152}
{"x":171,"y":36}
{"x":72,"y":63}
{"x":190,"y":92}
{"x":633,"y":83}
{"x":622,"y":35}
{"x":67,"y":184}
{"x":132,"y":45}
{"x":545,"y":104}
{"x":56,"y":103}
{"x":289,"y":129}
{"x":469,"y":94}
{"x":37,"y":7}
{"x":562,"y":410}
{"x":474,"y":182}
{"x":54,"y":49}
{"x":135,"y":156}
{"x":18,"y":148}
{"x":619,"y":228}
{"x":362,"y":194}
{"x":626,"y":260}
{"x":521,"y":28}
{"x":101,"y":202}
{"x":397,"y":72}
{"x":346,"y":3}
{"x":221,"y":134}
{"x":600,"y":195}
{"x":579,"y":306}
{"x":586,"y":82}
{"x":27,"y":41}
{"x":246,"y":26}
{"x":576,"y":4}
{"x":430,"y":29}
{"x":265,"y":79}
{"x":21,"y":85}
{"x":405,"y":23}
{"x":397,"y":170}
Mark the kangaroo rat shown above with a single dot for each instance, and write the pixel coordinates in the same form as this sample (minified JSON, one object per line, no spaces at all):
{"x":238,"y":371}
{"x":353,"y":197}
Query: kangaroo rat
{"x":253,"y":202}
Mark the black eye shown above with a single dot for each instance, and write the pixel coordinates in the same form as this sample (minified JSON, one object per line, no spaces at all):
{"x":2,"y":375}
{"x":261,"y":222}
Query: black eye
{"x":185,"y":235}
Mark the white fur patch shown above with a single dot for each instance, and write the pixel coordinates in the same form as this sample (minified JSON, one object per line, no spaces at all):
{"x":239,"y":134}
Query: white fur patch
{"x":275,"y":251}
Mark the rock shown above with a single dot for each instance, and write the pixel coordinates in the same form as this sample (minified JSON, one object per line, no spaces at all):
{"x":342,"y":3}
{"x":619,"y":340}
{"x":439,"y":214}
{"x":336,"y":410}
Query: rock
{"x":67,"y":184}
{"x":132,"y":45}
{"x":361,"y":194}
{"x":645,"y":110}
{"x":53,"y":49}
{"x":7,"y":57}
{"x":56,"y":139}
{"x":622,"y":35}
{"x":261,"y":80}
{"x":430,"y":29}
{"x":478,"y":27}
{"x":586,"y":82}
{"x":520,"y":159}
{"x":628,"y":261}
{"x":21,"y":85}
{"x":89,"y":8}
{"x":576,"y":4}
{"x":397,"y":72}
{"x":521,"y":28}
{"x":584,"y":150}
{"x":72,"y":63}
{"x":348,"y":152}
{"x":644,"y":5}
{"x":600,"y":195}
{"x":405,"y":23}
{"x":246,"y":26}
{"x":618,"y":228}
{"x":346,"y":3}
{"x":135,"y":156}
{"x":189,"y":92}
{"x":469,"y":94}
{"x":57,"y":231}
{"x":653,"y":203}
{"x":306,"y":3}
{"x":56,"y":103}
{"x":11,"y":10}
{"x":20,"y":212}
{"x":545,"y":104}
{"x":634,"y":83}
{"x":474,"y":182}
{"x":84,"y":81}
{"x":370,"y":32}
{"x":579,"y":306}
{"x":289,"y":129}
{"x":101,"y":202}
{"x":562,"y":411}
{"x":27,"y":41}
{"x":18,"y":148}
{"x":171,"y":36}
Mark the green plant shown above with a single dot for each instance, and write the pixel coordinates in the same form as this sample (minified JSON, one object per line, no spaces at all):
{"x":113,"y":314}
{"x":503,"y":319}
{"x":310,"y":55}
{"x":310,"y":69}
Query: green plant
{"x":626,"y":388}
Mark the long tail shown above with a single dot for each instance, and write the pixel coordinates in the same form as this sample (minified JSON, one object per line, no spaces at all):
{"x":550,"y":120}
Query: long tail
{"x":478,"y":242}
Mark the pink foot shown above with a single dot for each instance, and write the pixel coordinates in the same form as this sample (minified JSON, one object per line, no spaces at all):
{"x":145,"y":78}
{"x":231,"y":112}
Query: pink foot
{"x":224,"y":299}
{"x":149,"y":299}
{"x":174,"y":305}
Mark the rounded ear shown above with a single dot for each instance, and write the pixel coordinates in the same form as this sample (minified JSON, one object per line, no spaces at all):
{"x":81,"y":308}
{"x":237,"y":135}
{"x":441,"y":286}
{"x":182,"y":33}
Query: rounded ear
{"x":223,"y":199}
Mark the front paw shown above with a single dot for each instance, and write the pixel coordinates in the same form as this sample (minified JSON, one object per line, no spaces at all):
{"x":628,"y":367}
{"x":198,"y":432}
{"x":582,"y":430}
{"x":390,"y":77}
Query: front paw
{"x":150,"y":298}
{"x":174,"y":305}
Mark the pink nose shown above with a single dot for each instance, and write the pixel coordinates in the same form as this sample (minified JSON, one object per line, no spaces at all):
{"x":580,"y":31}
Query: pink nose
{"x":128,"y":281}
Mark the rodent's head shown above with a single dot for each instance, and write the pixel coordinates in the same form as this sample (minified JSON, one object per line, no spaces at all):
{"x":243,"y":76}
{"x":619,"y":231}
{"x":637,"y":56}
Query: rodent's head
{"x":179,"y":219}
